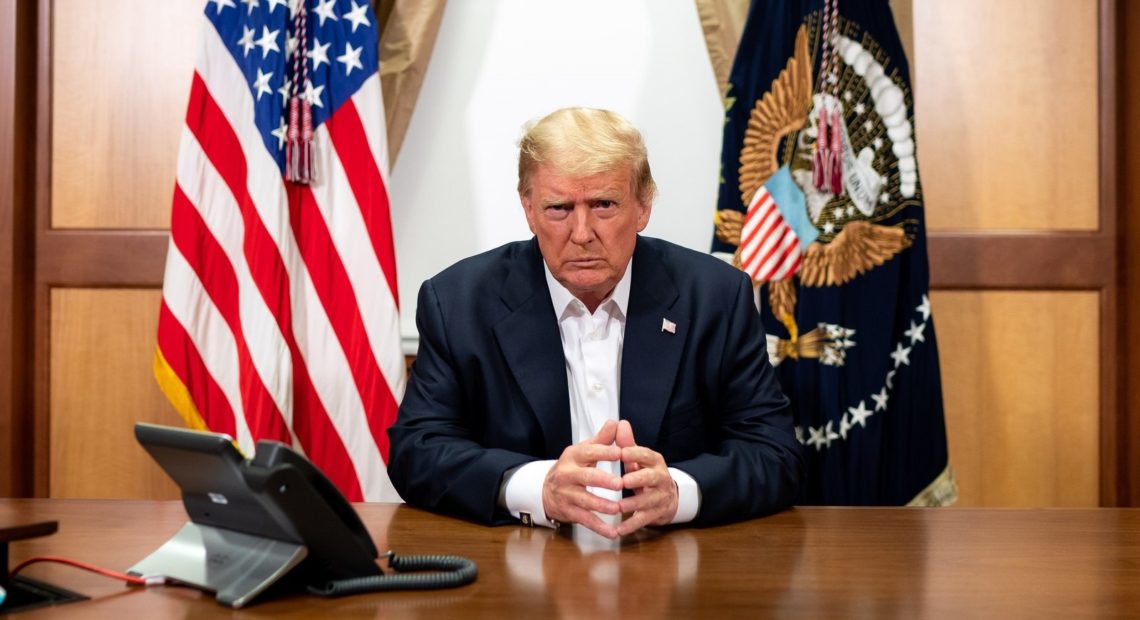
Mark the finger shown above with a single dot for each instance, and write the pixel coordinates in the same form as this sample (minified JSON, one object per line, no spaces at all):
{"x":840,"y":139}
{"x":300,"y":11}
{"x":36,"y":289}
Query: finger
{"x":590,"y":453}
{"x":594,"y":477}
{"x":624,"y":437}
{"x":566,"y":475}
{"x":592,"y":522}
{"x":588,"y":501}
{"x":606,"y":434}
{"x":650,"y":501}
{"x":570,"y":504}
{"x":635,"y":522}
{"x":642,"y":456}
{"x":646,"y":478}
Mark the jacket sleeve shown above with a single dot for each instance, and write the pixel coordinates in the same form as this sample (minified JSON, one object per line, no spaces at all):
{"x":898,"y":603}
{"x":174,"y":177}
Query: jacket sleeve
{"x":434,"y":460}
{"x":756,"y":465}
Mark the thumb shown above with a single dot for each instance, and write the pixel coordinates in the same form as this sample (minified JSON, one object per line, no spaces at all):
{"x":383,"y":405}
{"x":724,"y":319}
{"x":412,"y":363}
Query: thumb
{"x":625,"y":435}
{"x":606,"y":434}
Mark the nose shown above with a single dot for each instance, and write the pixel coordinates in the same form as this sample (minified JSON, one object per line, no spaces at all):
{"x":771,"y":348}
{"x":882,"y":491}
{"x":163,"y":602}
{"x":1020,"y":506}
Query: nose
{"x":582,"y":225}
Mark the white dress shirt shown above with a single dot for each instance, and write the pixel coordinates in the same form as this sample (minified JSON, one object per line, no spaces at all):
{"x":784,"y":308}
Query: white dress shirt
{"x":592,"y":344}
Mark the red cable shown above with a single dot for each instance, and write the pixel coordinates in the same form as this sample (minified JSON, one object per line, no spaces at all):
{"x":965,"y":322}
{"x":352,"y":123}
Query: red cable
{"x":131,"y":579}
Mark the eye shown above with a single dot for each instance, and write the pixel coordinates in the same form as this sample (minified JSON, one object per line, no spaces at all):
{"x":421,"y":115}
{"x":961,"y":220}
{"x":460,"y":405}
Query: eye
{"x":605,"y":204}
{"x":558,"y":211}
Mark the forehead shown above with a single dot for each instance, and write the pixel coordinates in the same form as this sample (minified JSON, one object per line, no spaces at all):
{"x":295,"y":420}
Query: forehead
{"x":548,"y":182}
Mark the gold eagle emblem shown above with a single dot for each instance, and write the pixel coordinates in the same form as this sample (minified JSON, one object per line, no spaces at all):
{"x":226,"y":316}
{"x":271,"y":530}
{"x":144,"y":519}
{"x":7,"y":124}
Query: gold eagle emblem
{"x":857,"y":248}
{"x":781,"y":111}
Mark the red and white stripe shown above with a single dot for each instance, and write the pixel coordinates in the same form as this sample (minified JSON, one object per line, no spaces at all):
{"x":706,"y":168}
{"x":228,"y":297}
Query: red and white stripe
{"x":769,"y":249}
{"x":280,"y":314}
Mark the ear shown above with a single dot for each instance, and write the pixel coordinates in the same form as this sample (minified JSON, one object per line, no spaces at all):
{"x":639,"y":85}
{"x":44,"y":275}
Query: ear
{"x":643,"y":211}
{"x":528,"y":210}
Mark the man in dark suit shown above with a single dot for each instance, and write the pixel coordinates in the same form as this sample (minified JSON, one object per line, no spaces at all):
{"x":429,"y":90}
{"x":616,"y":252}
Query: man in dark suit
{"x":590,"y":372}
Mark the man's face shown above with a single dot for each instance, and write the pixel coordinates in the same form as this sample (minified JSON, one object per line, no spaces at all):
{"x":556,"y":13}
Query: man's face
{"x":586,"y":227}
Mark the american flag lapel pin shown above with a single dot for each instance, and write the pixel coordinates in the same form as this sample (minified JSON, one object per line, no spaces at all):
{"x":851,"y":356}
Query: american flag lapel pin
{"x":668,"y":326}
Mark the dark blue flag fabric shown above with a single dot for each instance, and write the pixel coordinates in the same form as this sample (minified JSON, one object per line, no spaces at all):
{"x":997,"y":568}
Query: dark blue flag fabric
{"x":820,"y":202}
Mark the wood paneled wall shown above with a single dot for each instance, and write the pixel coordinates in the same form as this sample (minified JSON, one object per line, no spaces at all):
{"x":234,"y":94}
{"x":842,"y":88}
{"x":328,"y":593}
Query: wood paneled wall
{"x":1006,"y":107}
{"x":112,"y":146}
{"x":1021,"y":369}
{"x":1011,"y":149}
{"x":1019,"y":375}
{"x":1128,"y":20}
{"x":113,"y":165}
{"x":1012,"y":155}
{"x":17,"y":109}
{"x":101,"y":385}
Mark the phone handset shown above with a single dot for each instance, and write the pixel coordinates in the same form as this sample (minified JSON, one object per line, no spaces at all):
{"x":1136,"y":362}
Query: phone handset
{"x":341,"y":553}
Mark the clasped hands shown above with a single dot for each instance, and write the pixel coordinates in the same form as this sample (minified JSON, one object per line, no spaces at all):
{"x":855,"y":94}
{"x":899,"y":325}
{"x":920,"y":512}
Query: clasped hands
{"x":566,"y":499}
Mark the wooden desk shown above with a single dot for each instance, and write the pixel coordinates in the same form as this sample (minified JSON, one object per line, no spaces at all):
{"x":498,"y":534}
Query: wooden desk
{"x":807,"y":562}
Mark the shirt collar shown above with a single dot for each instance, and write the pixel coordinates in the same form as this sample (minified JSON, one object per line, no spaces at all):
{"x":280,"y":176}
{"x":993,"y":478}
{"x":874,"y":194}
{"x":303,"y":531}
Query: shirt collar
{"x":563,"y":299}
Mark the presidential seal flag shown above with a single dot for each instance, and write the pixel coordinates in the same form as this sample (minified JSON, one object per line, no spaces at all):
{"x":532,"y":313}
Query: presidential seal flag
{"x":820,"y":202}
{"x":279,"y":310}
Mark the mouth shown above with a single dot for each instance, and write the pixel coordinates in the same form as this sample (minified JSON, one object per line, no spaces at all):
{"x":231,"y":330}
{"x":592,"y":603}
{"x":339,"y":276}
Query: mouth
{"x":585,"y":262}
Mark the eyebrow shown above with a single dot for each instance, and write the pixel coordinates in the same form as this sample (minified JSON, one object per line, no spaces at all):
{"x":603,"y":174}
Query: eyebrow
{"x":610,"y":194}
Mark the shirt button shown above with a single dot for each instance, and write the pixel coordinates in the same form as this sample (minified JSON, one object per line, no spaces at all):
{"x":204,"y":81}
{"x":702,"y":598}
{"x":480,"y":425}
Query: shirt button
{"x":598,"y":387}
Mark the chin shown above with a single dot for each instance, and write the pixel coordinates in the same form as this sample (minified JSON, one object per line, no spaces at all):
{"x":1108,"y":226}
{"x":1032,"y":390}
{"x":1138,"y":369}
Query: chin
{"x":591,"y":288}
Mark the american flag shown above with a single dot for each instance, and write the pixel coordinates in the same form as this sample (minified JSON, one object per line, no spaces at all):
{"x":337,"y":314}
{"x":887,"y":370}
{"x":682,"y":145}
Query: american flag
{"x":769,"y":248}
{"x":279,"y":317}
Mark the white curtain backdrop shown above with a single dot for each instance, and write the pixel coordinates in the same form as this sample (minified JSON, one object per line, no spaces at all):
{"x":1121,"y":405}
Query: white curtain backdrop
{"x":499,"y":63}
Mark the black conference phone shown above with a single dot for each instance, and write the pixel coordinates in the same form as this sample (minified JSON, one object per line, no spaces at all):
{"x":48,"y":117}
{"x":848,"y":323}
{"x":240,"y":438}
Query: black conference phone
{"x":273,"y":520}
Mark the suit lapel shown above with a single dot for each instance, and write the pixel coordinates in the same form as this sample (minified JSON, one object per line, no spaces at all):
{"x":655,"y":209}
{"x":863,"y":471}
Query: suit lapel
{"x":651,"y":352}
{"x":532,"y":347}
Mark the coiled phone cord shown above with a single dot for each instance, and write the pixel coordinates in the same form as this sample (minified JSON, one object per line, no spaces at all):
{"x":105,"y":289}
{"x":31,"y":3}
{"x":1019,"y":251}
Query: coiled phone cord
{"x":450,"y":571}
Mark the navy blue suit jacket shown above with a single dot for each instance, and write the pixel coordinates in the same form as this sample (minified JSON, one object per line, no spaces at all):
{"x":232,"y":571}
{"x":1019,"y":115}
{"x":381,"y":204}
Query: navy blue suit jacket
{"x":488,"y":388}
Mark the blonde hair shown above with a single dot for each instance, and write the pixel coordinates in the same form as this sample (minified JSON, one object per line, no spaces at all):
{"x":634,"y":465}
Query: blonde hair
{"x":582,"y":142}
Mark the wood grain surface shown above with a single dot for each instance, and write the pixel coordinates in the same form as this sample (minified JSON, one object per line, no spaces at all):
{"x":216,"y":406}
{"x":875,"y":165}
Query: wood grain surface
{"x":102,"y":347}
{"x":1020,"y":385}
{"x":809,"y":562}
{"x":121,"y":73}
{"x":1006,"y":113}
